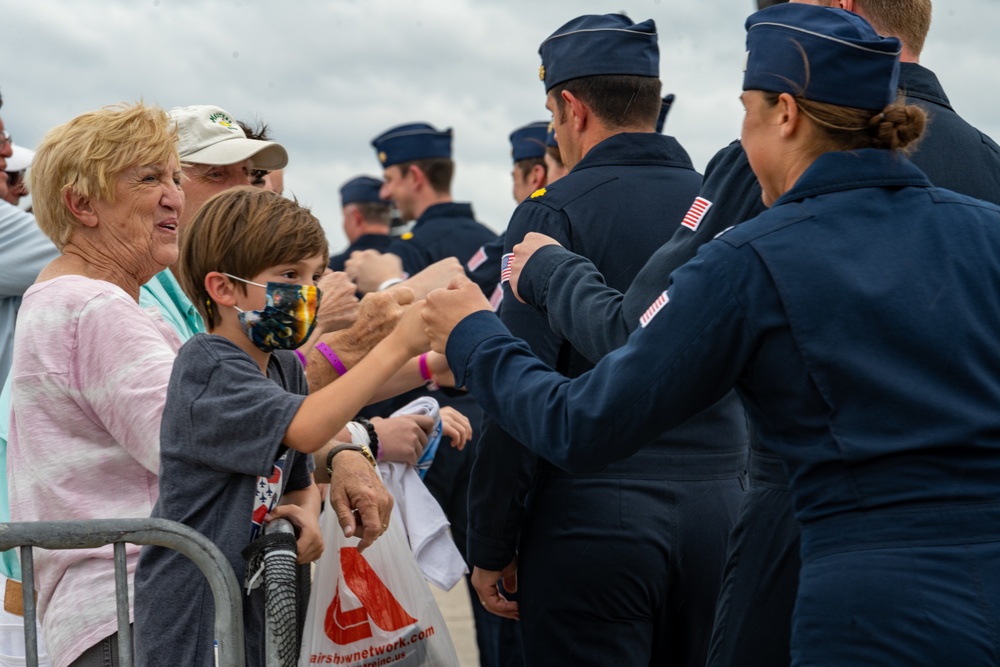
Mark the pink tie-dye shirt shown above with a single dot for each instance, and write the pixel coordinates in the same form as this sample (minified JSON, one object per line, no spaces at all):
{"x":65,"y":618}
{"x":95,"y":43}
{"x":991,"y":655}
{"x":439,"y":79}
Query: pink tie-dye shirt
{"x":90,"y":378}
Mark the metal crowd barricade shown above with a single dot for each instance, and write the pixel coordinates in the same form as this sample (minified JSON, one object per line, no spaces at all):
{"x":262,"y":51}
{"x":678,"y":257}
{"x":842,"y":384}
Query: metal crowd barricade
{"x":159,"y":532}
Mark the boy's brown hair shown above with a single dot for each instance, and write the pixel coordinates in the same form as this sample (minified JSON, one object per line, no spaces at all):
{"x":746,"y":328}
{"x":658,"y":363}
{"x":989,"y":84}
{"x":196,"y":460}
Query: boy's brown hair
{"x":244,"y":231}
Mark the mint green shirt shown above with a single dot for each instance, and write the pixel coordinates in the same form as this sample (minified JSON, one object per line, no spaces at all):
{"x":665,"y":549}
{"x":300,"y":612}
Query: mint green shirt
{"x":164,"y":293}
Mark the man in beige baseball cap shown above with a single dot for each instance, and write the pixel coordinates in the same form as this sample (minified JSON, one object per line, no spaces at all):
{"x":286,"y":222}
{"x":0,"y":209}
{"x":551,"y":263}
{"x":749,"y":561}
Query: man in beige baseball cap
{"x":216,"y":155}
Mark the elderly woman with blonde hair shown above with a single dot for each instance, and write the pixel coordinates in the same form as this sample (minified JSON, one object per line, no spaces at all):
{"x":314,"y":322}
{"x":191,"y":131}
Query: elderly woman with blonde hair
{"x":90,"y":366}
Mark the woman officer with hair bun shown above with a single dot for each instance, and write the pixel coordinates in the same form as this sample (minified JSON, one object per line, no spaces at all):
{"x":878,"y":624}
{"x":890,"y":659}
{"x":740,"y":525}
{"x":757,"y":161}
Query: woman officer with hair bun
{"x":858,"y":319}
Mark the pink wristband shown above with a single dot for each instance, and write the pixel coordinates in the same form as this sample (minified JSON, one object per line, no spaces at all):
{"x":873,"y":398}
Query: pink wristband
{"x":302,"y":357}
{"x":426,"y":375}
{"x":332,"y":357}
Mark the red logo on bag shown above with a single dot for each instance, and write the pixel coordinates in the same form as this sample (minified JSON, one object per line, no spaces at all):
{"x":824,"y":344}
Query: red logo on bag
{"x":378,"y":605}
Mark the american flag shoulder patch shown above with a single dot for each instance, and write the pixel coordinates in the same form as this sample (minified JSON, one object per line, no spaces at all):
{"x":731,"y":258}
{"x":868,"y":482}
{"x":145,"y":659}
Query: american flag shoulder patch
{"x":656,"y":307}
{"x":505,"y":267}
{"x":696,"y":213}
{"x":477,"y":259}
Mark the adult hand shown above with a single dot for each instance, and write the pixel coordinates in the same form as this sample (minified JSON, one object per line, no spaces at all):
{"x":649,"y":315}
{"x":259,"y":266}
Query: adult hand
{"x":456,"y":426}
{"x":523,"y":251}
{"x":358,"y":497}
{"x":410,"y":333}
{"x":485,"y":583}
{"x":370,"y":268}
{"x":446,"y":308}
{"x":378,"y":314}
{"x":435,"y":276}
{"x":338,"y":307}
{"x":402,"y":438}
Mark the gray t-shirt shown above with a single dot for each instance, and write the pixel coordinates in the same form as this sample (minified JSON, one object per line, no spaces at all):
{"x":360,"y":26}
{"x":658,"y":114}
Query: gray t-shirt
{"x":222,"y":467}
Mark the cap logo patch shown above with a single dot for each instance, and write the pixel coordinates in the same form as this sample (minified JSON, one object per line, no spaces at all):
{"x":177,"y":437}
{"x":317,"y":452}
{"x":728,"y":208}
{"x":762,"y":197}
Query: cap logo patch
{"x":223,"y":120}
{"x":746,"y":62}
{"x":505,"y":263}
{"x":656,"y":307}
{"x":541,"y":72}
{"x":537,"y":193}
{"x":696,"y":213}
{"x":382,"y":157}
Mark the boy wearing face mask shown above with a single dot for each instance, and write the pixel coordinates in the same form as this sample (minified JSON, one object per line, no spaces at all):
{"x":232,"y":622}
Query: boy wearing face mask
{"x":237,"y":425}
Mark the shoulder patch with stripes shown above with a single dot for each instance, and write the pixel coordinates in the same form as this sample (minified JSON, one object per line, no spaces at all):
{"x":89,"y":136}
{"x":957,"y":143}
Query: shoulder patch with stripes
{"x":656,"y":307}
{"x":696,"y":213}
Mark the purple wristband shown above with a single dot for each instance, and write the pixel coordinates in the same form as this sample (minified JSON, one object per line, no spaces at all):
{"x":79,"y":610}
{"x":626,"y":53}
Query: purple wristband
{"x":302,"y":358}
{"x":332,"y":357}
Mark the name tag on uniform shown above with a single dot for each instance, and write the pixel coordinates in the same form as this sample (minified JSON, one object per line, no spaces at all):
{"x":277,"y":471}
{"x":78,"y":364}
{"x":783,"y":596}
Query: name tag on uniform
{"x":656,"y":307}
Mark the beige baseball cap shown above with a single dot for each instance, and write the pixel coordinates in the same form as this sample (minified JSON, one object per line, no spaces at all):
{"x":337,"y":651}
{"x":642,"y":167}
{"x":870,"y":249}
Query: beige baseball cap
{"x":208,"y":135}
{"x":20,"y":158}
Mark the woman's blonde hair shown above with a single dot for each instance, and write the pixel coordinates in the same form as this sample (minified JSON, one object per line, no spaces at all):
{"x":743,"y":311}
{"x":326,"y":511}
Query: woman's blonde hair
{"x":89,"y":153}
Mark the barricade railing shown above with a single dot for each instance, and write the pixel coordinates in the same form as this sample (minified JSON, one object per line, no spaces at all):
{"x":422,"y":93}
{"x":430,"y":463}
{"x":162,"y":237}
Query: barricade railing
{"x":159,"y":532}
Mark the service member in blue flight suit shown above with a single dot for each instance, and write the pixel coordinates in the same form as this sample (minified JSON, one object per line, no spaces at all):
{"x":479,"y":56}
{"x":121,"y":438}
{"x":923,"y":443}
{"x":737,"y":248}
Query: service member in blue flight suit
{"x":527,"y":150}
{"x":648,"y":586}
{"x":418,"y":169}
{"x":753,"y":625}
{"x":417,"y":174}
{"x":850,"y":317}
{"x":367,"y":218}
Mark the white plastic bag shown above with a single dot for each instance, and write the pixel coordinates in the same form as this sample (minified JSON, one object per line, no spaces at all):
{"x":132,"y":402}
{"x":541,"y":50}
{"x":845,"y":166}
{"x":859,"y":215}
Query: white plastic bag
{"x":373,"y":608}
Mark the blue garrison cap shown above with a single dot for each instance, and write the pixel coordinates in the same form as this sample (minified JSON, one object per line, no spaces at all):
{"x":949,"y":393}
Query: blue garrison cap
{"x":529,"y":141}
{"x":594,"y":45}
{"x":360,"y":190}
{"x":414,"y":141}
{"x":550,"y":136}
{"x":824,"y":54}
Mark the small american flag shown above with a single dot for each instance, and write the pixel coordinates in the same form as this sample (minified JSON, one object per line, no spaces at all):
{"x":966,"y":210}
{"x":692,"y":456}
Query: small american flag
{"x":696,"y":213}
{"x":651,"y":312}
{"x":505,"y":262}
{"x":477,"y":259}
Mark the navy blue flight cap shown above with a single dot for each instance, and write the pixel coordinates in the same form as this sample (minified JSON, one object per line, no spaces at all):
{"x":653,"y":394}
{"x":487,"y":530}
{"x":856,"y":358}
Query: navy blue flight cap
{"x":550,"y":136}
{"x":414,"y":141}
{"x":594,"y":45}
{"x":363,"y":189}
{"x":823,"y":54}
{"x":529,"y":141}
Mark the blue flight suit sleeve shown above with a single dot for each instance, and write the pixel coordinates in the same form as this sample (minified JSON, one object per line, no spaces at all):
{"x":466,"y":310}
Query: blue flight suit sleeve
{"x":504,"y":470}
{"x":571,"y":293}
{"x":687,"y":357}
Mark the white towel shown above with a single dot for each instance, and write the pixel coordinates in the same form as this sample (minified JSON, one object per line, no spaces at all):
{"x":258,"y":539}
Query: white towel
{"x":425,"y":523}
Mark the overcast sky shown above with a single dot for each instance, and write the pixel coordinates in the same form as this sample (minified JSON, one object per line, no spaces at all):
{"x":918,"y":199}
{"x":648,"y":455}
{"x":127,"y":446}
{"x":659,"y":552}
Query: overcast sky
{"x":327,"y":76}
